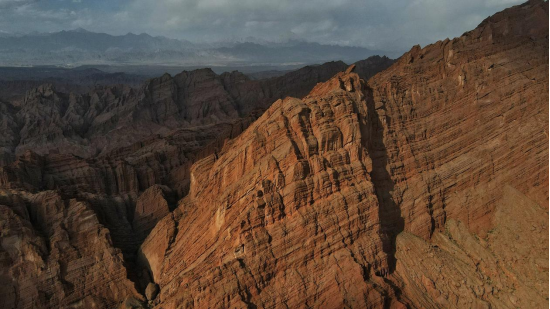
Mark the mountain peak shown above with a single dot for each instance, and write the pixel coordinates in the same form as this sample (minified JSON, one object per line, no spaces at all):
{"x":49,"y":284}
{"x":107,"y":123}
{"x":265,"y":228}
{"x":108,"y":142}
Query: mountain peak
{"x":79,"y":30}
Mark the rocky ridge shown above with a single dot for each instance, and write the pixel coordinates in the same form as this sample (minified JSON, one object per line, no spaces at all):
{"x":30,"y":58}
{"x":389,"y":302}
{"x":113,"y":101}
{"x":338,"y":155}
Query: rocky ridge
{"x":109,"y":117}
{"x":294,"y":186}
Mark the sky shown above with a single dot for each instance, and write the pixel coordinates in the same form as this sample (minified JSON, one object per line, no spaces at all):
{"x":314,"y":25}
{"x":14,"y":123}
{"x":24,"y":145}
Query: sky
{"x":394,"y":25}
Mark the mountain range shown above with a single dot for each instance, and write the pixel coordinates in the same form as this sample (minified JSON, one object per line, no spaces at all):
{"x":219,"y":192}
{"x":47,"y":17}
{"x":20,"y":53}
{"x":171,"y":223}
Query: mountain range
{"x":76,"y":123}
{"x":80,"y":47}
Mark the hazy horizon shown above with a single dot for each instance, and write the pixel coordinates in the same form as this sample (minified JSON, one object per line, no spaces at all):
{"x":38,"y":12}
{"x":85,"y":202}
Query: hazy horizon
{"x":222,"y":42}
{"x":372,"y":24}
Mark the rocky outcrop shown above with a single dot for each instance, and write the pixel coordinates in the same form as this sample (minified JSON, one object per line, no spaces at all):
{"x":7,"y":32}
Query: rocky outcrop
{"x":372,"y":65}
{"x":55,"y":253}
{"x":151,"y":206}
{"x":285,"y":214}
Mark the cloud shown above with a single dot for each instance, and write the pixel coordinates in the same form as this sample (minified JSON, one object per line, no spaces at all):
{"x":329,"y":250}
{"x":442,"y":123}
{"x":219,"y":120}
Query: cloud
{"x":6,"y":4}
{"x":378,"y":24}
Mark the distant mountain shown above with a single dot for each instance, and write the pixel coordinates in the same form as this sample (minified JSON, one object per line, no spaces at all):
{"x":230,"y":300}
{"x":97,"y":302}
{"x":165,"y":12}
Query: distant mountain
{"x":79,"y":47}
{"x":296,"y":51}
{"x":81,"y":39}
{"x":15,"y":81}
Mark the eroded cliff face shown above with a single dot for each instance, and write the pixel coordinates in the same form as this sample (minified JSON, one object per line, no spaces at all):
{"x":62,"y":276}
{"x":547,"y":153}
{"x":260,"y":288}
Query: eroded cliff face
{"x":464,"y":125}
{"x":285,"y":215}
{"x":423,"y":187}
{"x":55,"y":253}
{"x":462,"y":118}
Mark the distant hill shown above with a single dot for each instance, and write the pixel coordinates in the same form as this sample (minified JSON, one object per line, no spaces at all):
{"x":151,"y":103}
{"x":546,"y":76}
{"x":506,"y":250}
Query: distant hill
{"x":81,"y":39}
{"x":15,"y":81}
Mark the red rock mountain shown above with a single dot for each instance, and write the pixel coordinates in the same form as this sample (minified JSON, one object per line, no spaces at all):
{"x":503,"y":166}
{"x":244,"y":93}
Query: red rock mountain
{"x":103,"y":155}
{"x":424,"y":186}
{"x":109,"y":117}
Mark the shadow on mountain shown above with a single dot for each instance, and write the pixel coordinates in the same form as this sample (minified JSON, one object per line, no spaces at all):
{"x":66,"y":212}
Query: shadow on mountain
{"x":391,"y":220}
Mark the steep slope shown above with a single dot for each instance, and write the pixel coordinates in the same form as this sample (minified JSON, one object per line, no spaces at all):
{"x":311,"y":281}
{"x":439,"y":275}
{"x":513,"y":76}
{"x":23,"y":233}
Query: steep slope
{"x":464,"y":125}
{"x":55,"y":253}
{"x":474,"y":105}
{"x":423,"y":187}
{"x":285,"y":214}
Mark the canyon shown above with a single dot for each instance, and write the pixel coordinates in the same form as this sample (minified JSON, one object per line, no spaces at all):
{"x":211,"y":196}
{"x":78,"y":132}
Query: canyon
{"x":420,"y":182}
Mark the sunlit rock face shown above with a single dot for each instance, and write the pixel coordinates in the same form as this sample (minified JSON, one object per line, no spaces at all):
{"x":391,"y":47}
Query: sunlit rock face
{"x":465,"y":135}
{"x":286,"y":213}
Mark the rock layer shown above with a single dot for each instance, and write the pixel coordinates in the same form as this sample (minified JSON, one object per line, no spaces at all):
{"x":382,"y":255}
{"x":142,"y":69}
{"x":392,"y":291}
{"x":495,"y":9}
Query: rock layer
{"x":126,"y":188}
{"x":462,"y":118}
{"x":285,"y":214}
{"x":464,"y":125}
{"x":58,"y":254}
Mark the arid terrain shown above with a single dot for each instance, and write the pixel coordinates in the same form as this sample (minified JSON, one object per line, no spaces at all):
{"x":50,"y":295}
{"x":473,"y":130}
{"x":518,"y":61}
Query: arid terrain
{"x":420,"y":182}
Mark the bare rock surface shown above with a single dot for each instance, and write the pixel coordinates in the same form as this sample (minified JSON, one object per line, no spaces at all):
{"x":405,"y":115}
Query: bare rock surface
{"x":124,"y":188}
{"x":286,"y":214}
{"x":58,"y":254}
{"x":464,"y":166}
{"x":457,"y":269}
{"x":463,"y":118}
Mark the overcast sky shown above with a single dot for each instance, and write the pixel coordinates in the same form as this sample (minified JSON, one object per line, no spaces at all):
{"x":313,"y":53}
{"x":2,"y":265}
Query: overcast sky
{"x":377,"y":24}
